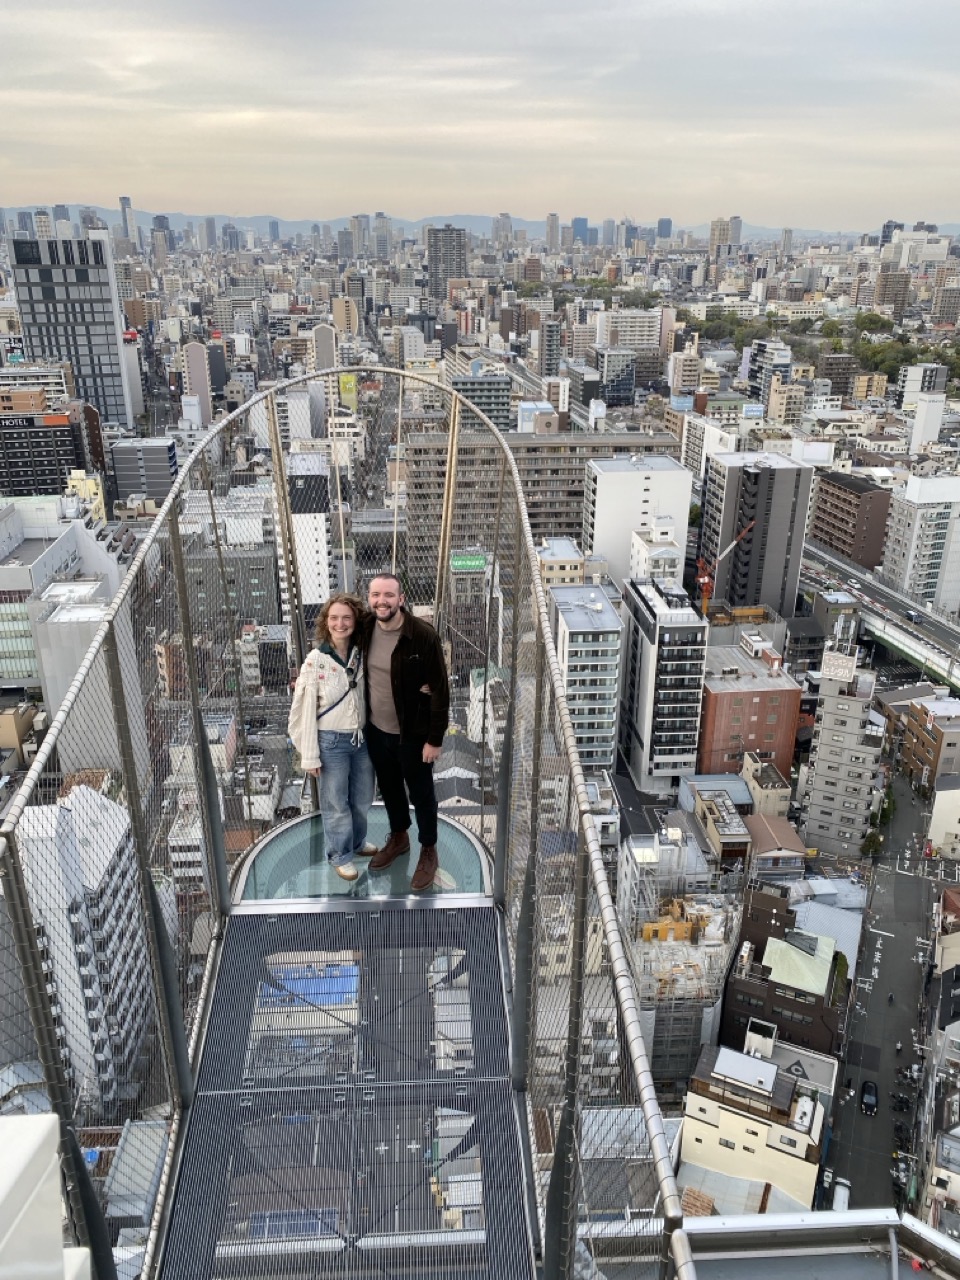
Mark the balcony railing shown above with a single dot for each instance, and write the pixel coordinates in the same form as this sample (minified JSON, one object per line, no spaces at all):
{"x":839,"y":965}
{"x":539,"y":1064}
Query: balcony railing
{"x":143,"y":760}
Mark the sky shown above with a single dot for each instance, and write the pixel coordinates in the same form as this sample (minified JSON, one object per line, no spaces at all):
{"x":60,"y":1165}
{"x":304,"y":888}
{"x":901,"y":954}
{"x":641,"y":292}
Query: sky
{"x":826,"y":114}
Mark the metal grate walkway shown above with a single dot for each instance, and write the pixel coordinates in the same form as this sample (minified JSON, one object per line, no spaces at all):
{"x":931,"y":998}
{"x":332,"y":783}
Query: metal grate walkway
{"x":353,"y":1115}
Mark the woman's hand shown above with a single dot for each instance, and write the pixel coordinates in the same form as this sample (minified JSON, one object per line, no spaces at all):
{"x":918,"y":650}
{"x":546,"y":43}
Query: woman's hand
{"x":314,"y":773}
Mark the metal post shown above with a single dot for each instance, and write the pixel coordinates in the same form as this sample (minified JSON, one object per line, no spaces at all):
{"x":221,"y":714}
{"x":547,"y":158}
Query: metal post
{"x":501,"y":853}
{"x":173,"y":1035}
{"x":289,"y":554}
{"x":58,"y":1091}
{"x":231,"y":615}
{"x":396,"y":503}
{"x":446,"y":523}
{"x":208,"y":794}
{"x":101,"y":1250}
{"x":560,"y":1235}
{"x":486,"y":664}
{"x":523,"y":1011}
{"x":285,"y":534}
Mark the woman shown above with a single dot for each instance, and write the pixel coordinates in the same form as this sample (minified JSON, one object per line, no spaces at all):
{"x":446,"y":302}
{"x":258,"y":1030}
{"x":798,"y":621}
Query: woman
{"x":326,"y":726}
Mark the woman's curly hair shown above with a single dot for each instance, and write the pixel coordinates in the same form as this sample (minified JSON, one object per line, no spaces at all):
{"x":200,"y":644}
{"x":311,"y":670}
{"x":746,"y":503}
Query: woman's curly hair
{"x":321,"y":630}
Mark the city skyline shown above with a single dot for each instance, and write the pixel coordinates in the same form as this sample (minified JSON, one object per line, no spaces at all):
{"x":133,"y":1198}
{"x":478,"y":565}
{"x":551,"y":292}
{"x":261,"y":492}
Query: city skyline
{"x":529,"y":113}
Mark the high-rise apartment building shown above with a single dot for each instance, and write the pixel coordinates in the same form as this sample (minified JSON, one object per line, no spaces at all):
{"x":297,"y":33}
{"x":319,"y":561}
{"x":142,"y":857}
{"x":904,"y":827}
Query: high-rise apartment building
{"x":69,"y":307}
{"x":550,"y":347}
{"x":836,"y":787}
{"x":922,"y":552}
{"x":629,"y":327}
{"x":587,"y":632}
{"x":553,"y":233}
{"x":446,"y":258}
{"x":79,"y":867}
{"x":766,"y":357}
{"x":491,"y":395}
{"x":892,"y":289}
{"x":841,"y":368}
{"x":617,"y":367}
{"x":762,"y":499}
{"x":664,"y":651}
{"x":624,"y":494}
{"x":919,"y":379}
{"x":719,"y":234}
{"x":43,"y":224}
{"x":196,"y":378}
{"x":144,"y":465}
{"x":849,"y":516}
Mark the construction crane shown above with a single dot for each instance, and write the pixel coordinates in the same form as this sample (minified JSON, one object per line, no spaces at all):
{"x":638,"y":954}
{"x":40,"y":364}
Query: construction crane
{"x":706,"y":573}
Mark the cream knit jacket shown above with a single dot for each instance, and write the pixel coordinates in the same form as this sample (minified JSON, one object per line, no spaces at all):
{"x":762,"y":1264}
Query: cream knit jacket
{"x":322,"y":683}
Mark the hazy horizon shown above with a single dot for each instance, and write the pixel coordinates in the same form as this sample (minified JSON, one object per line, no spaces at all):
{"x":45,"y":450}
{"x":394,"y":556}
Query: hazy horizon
{"x":837,"y":115}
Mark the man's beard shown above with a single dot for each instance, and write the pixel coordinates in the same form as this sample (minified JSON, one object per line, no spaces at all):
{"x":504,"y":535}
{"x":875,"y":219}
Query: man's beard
{"x":394,"y":610}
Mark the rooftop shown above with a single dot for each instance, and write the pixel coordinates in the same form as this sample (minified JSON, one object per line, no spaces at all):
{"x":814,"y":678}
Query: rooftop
{"x":728,"y":669}
{"x":641,"y":462}
{"x":585,"y":609}
{"x":793,"y":966}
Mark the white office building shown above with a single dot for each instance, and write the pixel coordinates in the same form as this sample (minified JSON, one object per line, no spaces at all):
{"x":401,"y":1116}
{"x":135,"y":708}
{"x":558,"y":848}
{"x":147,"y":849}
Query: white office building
{"x":627,"y":493}
{"x":922,"y":552}
{"x":587,"y":632}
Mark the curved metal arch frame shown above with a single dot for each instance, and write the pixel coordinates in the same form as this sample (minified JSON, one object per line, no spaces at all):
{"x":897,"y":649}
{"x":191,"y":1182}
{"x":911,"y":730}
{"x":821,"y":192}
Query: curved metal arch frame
{"x":670,"y":1208}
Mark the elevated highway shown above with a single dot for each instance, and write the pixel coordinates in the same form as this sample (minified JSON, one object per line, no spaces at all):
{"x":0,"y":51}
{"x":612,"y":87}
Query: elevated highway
{"x":928,"y":639}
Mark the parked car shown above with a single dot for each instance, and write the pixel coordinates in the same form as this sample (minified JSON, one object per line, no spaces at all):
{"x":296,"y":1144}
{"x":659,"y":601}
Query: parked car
{"x":868,"y":1098}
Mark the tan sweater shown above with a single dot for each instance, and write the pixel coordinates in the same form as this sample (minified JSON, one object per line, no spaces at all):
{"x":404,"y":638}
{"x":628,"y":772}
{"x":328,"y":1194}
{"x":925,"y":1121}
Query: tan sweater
{"x":322,"y":683}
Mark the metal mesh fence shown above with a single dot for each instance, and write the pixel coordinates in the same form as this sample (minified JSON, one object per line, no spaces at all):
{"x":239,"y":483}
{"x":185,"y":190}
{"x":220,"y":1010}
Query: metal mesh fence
{"x":169,"y":758}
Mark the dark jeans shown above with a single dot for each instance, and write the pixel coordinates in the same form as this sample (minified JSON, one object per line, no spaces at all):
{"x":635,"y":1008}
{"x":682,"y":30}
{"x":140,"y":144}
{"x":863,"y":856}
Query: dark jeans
{"x":401,"y":772}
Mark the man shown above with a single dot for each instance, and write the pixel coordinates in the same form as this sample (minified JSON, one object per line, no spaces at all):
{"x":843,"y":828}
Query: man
{"x":408,"y":703}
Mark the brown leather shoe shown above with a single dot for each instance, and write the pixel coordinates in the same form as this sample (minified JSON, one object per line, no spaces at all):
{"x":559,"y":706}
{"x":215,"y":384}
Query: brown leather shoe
{"x":426,"y":871}
{"x":396,"y":847}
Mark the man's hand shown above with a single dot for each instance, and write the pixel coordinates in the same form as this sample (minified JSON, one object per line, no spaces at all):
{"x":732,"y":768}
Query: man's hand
{"x":430,"y":754}
{"x":314,"y":773}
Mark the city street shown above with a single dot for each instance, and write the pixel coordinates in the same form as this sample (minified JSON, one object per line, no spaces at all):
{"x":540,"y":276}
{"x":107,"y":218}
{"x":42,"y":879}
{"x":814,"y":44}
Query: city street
{"x":894,"y":958}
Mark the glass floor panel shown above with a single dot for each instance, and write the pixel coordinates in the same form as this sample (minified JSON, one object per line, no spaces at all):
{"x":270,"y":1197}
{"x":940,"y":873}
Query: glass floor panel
{"x":291,"y":863}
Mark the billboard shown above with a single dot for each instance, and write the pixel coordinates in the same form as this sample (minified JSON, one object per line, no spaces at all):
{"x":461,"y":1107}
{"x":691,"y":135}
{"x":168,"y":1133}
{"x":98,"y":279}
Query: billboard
{"x":348,"y":391}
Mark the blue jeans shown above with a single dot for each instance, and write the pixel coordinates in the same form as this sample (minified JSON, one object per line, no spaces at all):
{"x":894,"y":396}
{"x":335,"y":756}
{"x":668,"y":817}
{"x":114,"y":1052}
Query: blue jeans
{"x":346,"y":794}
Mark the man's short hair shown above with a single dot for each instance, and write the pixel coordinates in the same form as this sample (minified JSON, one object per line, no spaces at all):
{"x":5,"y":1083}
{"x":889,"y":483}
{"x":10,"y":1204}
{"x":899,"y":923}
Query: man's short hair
{"x":386,"y":574}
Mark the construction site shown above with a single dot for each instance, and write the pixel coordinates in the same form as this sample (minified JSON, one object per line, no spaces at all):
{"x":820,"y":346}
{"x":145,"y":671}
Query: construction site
{"x":679,"y":936}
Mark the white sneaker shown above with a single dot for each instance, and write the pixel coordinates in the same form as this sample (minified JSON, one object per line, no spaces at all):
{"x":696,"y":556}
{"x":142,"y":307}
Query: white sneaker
{"x":367,"y":851}
{"x":346,"y":871}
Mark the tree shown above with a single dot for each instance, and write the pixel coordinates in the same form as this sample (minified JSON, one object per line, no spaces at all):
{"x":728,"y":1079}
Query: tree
{"x":870,"y":322}
{"x":695,"y":516}
{"x":872,"y":844}
{"x":830,"y":329}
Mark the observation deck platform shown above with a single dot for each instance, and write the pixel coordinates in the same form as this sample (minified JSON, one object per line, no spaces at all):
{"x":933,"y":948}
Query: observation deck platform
{"x":353,"y":1113}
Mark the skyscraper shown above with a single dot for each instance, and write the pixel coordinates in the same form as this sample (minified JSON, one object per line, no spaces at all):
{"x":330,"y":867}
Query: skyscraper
{"x":609,"y":233}
{"x":128,"y":220}
{"x":736,"y":229}
{"x":273,"y":230}
{"x":446,"y":258}
{"x":761,"y":499}
{"x":553,"y":233}
{"x":786,"y":242}
{"x":70,"y":310}
{"x":61,"y":213}
{"x":581,"y":230}
{"x":43,"y":224}
{"x":887,"y":230}
{"x":664,"y":228}
{"x":719,"y":234}
{"x":25,"y":225}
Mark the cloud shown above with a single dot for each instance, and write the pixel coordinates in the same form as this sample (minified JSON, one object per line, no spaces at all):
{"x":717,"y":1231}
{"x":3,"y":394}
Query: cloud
{"x":825,"y":114}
